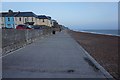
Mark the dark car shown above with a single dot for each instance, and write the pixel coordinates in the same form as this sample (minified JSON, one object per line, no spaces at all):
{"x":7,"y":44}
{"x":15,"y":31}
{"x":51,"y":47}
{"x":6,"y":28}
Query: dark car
{"x":36,"y":27}
{"x":22,"y":27}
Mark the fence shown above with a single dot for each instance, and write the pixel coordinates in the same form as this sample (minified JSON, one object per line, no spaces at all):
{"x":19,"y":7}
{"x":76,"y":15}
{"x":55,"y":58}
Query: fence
{"x":13,"y":39}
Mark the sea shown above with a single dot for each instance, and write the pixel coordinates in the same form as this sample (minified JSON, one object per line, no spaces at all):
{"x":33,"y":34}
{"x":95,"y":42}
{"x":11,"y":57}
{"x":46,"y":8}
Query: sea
{"x":105,"y":32}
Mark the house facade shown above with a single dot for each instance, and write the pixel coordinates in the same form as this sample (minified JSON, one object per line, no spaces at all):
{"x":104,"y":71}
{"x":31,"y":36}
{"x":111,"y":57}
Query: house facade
{"x":9,"y":19}
{"x":44,"y":21}
{"x":2,"y":19}
{"x":25,"y":17}
{"x":49,"y":21}
{"x":9,"y":22}
{"x":54,"y":23}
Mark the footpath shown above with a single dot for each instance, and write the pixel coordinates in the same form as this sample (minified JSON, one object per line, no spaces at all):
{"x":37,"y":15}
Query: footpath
{"x":56,"y":56}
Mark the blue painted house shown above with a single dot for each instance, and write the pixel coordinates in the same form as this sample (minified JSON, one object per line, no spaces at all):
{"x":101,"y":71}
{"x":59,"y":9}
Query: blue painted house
{"x":9,"y":19}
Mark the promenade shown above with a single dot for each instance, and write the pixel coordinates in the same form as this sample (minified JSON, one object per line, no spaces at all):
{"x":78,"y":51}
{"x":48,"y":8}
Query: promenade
{"x":55,"y":56}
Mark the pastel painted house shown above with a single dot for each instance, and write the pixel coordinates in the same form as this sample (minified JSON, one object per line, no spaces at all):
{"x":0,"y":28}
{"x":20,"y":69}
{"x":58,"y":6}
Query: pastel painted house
{"x":9,"y":19}
{"x":49,"y":21}
{"x":25,"y":17}
{"x":54,"y":24}
{"x":2,"y":19}
{"x":44,"y":21}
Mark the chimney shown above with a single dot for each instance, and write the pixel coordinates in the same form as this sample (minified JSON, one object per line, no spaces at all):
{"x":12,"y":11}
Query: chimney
{"x":10,"y":11}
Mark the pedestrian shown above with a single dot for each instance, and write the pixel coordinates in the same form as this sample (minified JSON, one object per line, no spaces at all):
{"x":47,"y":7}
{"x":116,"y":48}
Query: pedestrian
{"x":53,"y":31}
{"x":60,"y":29}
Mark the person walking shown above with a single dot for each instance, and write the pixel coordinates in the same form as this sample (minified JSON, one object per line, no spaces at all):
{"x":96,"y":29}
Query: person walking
{"x":53,"y":31}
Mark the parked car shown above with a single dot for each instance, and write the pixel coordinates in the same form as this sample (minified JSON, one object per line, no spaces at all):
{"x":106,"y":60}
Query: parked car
{"x":22,"y":27}
{"x":36,"y":27}
{"x":6,"y":28}
{"x":30,"y":26}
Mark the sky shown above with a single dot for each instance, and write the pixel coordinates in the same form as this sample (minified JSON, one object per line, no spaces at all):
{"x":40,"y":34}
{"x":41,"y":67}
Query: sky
{"x":75,"y":15}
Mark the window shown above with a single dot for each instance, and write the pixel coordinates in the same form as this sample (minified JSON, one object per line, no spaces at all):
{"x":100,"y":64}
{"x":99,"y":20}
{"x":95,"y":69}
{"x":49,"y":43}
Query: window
{"x":8,"y":19}
{"x":2,"y":19}
{"x":2,"y":24}
{"x":8,"y":24}
{"x":15,"y":18}
{"x":25,"y":20}
{"x":13,"y":26}
{"x":19,"y":19}
{"x":43,"y":20}
{"x":32,"y":18}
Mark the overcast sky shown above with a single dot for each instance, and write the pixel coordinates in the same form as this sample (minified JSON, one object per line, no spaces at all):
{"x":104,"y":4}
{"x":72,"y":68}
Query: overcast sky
{"x":75,"y":15}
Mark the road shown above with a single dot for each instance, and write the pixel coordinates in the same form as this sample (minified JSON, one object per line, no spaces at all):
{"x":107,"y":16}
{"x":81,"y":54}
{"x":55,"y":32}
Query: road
{"x":56,"y":56}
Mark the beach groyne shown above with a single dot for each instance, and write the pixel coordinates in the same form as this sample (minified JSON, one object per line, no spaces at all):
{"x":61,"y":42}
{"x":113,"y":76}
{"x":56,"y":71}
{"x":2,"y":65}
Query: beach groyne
{"x":103,"y":48}
{"x":13,"y":39}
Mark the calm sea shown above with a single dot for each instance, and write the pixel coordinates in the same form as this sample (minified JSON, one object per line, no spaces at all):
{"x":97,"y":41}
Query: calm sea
{"x":107,"y":32}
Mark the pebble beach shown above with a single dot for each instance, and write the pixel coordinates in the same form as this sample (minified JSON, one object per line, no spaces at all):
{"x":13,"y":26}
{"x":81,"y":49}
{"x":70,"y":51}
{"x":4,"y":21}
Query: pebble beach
{"x":103,"y":48}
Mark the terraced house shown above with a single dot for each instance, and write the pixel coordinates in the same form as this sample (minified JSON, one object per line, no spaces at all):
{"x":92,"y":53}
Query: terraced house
{"x":11,"y":19}
{"x":7,"y":19}
{"x":25,"y":18}
{"x":2,"y":19}
{"x":44,"y":20}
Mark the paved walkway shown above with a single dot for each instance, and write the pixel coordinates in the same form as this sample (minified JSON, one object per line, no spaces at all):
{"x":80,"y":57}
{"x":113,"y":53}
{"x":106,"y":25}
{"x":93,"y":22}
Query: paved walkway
{"x":57,"y":56}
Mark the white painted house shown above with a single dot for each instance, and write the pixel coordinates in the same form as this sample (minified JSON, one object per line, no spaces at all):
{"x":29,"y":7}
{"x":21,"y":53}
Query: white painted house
{"x":25,"y":17}
{"x":2,"y":19}
{"x":44,"y":20}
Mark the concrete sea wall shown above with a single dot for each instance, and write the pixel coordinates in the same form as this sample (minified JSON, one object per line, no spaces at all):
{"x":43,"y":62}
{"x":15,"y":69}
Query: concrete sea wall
{"x":13,"y":39}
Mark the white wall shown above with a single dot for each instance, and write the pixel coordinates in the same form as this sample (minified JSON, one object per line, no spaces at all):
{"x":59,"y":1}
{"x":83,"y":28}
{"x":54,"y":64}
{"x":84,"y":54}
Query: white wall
{"x":2,"y":22}
{"x":24,"y":19}
{"x":46,"y":22}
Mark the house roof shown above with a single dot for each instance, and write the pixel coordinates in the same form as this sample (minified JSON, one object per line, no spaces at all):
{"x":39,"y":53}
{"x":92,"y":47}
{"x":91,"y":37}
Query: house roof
{"x":49,"y":17}
{"x":3,"y":14}
{"x":18,"y":14}
{"x":42,"y":17}
{"x":11,"y":14}
{"x":54,"y":20}
{"x":25,"y":14}
{"x":7,"y":14}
